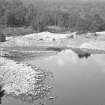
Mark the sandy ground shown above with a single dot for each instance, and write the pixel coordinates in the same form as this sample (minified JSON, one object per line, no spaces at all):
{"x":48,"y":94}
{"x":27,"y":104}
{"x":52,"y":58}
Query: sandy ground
{"x":27,"y":45}
{"x":19,"y":43}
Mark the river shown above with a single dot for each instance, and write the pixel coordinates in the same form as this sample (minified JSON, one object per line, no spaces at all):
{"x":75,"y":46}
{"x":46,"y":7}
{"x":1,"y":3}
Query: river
{"x":77,"y":81}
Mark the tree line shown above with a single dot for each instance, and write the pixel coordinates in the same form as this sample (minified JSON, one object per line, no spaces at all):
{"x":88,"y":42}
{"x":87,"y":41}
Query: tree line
{"x":81,"y":18}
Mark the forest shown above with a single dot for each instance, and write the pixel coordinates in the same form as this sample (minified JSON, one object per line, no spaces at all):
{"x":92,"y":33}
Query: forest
{"x":72,"y":16}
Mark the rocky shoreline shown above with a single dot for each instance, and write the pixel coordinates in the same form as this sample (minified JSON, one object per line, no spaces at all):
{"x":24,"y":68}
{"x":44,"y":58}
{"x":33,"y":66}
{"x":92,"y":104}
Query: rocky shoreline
{"x":18,"y":79}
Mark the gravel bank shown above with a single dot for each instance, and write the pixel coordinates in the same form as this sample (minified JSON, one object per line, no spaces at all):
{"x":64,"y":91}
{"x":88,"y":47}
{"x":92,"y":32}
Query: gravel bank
{"x":19,"y":79}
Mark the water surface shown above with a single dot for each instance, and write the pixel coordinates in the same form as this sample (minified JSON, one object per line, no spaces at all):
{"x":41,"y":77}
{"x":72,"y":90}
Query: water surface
{"x":76,"y":81}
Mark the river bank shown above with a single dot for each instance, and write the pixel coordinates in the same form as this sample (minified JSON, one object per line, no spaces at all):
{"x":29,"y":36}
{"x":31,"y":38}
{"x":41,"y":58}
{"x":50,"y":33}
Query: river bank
{"x":44,"y":44}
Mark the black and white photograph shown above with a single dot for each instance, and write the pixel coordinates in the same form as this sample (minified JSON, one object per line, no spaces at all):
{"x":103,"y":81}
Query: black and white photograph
{"x":52,"y":52}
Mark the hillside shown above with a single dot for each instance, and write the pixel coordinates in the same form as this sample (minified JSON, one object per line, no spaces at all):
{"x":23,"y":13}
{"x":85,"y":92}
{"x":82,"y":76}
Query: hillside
{"x":78,"y":15}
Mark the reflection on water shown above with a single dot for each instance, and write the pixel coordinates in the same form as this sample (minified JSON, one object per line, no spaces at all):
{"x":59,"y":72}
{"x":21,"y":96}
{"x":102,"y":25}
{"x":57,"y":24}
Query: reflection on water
{"x":77,"y":81}
{"x":81,"y":53}
{"x":85,"y":55}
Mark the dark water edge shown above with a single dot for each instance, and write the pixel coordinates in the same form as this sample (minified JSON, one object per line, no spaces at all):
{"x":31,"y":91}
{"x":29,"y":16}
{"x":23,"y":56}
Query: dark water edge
{"x":18,"y":56}
{"x":22,"y":54}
